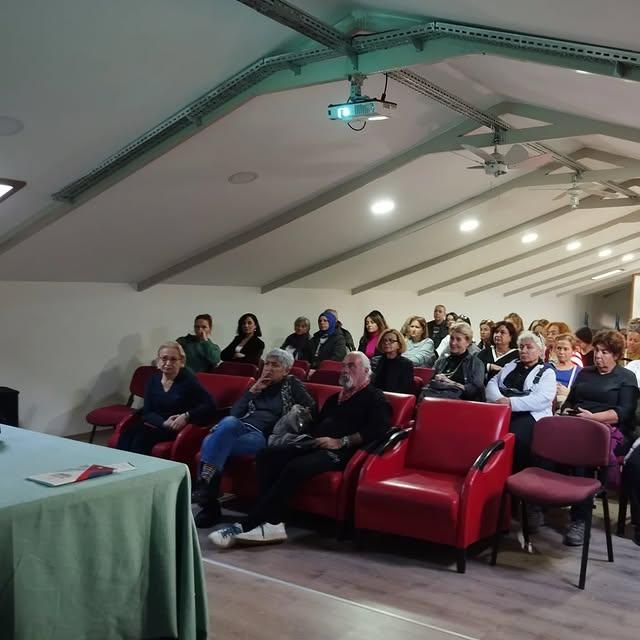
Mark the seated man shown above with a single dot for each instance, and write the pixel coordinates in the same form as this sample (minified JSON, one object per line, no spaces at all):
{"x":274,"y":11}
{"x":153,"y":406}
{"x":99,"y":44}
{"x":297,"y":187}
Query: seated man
{"x":357,"y":415}
{"x":246,"y":430}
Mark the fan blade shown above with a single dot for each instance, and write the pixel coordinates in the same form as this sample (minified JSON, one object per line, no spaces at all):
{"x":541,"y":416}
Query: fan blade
{"x":560,"y":196}
{"x":476,"y":166}
{"x":516,"y":155}
{"x":481,"y":153}
{"x":597,"y":192}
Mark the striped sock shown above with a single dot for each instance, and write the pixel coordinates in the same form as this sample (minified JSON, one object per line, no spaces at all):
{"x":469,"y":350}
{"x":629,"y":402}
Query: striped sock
{"x":208,"y":471}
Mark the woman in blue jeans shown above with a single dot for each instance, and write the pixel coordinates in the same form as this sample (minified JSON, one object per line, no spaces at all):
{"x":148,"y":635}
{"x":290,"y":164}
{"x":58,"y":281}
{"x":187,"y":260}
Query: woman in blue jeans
{"x":246,"y":430}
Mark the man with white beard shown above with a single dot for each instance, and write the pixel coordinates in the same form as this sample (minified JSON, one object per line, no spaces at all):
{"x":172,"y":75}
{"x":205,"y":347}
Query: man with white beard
{"x":357,"y":415}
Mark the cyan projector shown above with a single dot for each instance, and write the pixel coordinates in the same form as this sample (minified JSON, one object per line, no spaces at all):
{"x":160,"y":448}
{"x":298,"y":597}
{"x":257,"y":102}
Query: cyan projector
{"x":367,"y":109}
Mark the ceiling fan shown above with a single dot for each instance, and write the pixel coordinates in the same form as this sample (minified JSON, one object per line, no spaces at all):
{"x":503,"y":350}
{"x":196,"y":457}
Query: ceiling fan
{"x":498,"y":164}
{"x":579,"y":189}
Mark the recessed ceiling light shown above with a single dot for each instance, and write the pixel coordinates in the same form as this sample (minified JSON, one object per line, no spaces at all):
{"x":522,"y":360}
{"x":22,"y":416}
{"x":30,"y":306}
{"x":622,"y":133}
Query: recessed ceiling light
{"x":10,"y":126}
{"x":573,"y":245}
{"x":9,"y":187}
{"x":604,"y":253}
{"x":628,"y":257}
{"x":469,"y":225}
{"x":606,"y":274}
{"x":242,"y":177}
{"x":374,"y":118}
{"x":527,"y":238}
{"x":382,"y":206}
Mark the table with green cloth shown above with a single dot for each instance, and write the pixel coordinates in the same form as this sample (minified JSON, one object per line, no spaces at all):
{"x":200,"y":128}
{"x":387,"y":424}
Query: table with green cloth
{"x":110,"y":558}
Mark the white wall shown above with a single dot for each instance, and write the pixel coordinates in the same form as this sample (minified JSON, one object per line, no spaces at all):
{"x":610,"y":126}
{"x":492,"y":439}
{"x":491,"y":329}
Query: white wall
{"x":71,"y":347}
{"x":604,"y":307}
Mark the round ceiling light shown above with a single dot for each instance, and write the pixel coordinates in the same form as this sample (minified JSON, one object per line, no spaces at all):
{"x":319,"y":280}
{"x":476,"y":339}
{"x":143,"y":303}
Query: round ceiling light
{"x":573,"y":245}
{"x":10,"y":126}
{"x":530,"y":237}
{"x":628,"y":257}
{"x":604,"y":253}
{"x":469,"y":225}
{"x":380,"y":207}
{"x":242,"y":177}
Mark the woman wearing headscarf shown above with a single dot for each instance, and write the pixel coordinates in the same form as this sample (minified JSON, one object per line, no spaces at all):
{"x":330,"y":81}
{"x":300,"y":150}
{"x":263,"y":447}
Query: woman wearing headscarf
{"x":327,"y":343}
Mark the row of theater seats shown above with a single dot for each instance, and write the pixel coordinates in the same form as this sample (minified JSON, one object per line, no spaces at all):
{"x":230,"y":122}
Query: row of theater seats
{"x":327,"y":373}
{"x":438,"y":475}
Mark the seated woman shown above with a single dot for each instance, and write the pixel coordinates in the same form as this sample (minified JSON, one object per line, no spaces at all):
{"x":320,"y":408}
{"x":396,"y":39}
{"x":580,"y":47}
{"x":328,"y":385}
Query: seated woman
{"x":246,"y":430}
{"x":458,"y":374}
{"x":554,"y":329}
{"x":203,"y":355}
{"x":420,"y":349}
{"x":528,"y":386}
{"x":358,"y":415}
{"x":374,"y":325}
{"x":632,"y":353}
{"x":246,"y":346}
{"x":328,"y":342}
{"x":298,"y":344}
{"x":607,"y":393}
{"x":173,"y":398}
{"x":566,"y":370}
{"x":516,"y":321}
{"x":503,"y":351}
{"x":486,"y":333}
{"x":584,"y":346}
{"x":392,"y":371}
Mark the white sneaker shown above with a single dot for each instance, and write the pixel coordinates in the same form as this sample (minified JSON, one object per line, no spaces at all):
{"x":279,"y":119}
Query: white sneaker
{"x":226,"y":536}
{"x":264,"y":534}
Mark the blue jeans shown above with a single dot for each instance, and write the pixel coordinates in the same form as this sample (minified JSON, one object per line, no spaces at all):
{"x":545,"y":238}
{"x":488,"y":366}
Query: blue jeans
{"x":231,"y":437}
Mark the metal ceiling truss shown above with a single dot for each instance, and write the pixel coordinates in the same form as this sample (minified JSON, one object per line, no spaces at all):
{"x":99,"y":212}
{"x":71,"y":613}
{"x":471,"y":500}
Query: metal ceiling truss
{"x":387,"y":50}
{"x":620,"y":63}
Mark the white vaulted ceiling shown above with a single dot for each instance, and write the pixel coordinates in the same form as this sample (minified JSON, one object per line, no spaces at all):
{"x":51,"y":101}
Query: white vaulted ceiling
{"x":88,"y":77}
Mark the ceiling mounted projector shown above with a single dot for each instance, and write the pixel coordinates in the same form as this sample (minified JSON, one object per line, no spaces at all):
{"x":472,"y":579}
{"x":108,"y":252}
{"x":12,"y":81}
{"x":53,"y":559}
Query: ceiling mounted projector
{"x":360,"y":108}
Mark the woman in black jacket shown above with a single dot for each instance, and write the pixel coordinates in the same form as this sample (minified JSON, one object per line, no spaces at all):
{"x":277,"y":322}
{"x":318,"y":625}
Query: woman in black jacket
{"x":298,"y":344}
{"x":327,"y":343}
{"x":246,"y":346}
{"x":392,"y":372}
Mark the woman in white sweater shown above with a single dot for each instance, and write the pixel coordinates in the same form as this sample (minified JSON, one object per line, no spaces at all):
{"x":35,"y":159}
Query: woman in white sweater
{"x":528,"y":386}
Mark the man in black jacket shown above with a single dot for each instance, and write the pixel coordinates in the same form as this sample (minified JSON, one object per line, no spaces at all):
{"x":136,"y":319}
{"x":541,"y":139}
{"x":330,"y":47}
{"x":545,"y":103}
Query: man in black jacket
{"x":357,"y":415}
{"x":437,"y":328}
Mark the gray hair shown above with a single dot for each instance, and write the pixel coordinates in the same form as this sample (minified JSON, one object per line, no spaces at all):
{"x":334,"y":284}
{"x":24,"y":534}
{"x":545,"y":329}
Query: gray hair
{"x":530,"y":336}
{"x":303,"y":320}
{"x":282,"y":356}
{"x":366,"y":363}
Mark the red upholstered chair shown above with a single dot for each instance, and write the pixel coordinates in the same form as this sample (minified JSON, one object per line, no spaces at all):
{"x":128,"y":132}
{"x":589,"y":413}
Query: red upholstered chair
{"x":299,"y":373}
{"x":325,"y":376}
{"x":442,"y":480}
{"x":225,"y":389}
{"x":571,"y":442}
{"x":424,"y":373}
{"x":332,"y":494}
{"x":416,"y":387}
{"x":302,"y":364}
{"x":245,"y":369}
{"x":111,"y":415}
{"x":240,"y":471}
{"x":330,"y":365}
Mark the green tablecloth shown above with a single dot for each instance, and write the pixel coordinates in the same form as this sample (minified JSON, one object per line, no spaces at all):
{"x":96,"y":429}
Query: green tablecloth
{"x":110,"y":558}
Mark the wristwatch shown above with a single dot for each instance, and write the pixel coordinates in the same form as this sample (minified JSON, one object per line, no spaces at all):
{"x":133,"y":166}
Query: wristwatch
{"x":345,"y":442}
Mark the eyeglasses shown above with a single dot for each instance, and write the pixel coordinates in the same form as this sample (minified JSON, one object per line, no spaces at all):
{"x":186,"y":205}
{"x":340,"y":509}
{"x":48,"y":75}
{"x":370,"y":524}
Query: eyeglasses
{"x":390,"y":340}
{"x":168,"y":359}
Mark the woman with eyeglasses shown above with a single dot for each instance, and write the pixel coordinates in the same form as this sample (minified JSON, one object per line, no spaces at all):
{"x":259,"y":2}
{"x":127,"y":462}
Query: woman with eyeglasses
{"x":391,"y":371}
{"x":173,"y":398}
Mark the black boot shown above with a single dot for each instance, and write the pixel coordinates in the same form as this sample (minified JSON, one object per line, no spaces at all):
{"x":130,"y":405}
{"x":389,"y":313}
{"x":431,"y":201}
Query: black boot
{"x":207,"y":497}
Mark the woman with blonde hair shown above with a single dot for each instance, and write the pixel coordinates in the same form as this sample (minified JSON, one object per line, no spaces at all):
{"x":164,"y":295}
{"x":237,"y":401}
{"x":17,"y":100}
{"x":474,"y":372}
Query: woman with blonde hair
{"x":516,"y":321}
{"x":391,"y":371}
{"x":173,"y":398}
{"x":566,"y":369}
{"x":420,"y":349}
{"x":554,"y":329}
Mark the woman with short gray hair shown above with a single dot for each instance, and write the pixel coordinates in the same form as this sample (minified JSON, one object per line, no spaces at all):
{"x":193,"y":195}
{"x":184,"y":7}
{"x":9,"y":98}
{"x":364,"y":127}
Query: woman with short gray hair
{"x":298,"y":344}
{"x":246,"y":429}
{"x":528,"y":386}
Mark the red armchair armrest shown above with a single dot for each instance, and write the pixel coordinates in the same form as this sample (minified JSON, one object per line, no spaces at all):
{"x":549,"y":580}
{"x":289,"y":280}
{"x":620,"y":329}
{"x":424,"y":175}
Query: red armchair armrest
{"x":482,"y":491}
{"x":134,"y":418}
{"x":388,"y":462}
